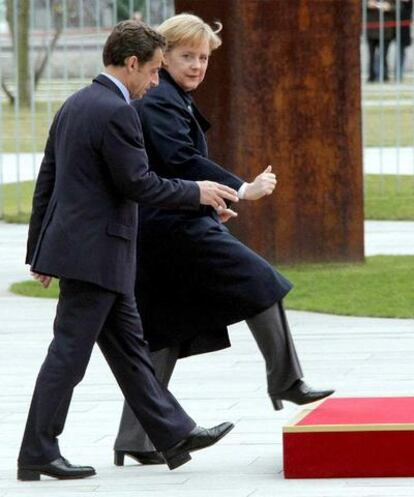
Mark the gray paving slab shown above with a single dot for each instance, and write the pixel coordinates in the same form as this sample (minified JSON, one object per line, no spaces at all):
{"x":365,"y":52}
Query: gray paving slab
{"x":359,"y":356}
{"x":389,"y":238}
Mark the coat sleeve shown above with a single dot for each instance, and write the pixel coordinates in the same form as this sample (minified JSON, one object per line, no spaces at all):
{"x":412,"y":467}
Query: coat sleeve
{"x":167,"y":126}
{"x":124,"y":154}
{"x":43,"y":192}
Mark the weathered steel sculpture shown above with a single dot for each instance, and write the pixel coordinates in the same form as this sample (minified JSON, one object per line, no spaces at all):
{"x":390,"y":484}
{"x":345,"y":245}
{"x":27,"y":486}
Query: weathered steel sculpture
{"x":284,"y":89}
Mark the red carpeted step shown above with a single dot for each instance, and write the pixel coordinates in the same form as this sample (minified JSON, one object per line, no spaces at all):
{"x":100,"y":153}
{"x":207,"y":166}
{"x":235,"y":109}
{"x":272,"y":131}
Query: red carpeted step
{"x":351,"y":437}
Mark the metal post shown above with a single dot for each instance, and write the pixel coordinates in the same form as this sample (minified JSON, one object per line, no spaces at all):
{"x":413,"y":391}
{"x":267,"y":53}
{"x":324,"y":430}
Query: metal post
{"x":398,"y":78}
{"x":80,"y":40}
{"x":32,"y":89}
{"x":65,"y":41}
{"x":98,"y":32}
{"x":17,"y":133}
{"x":381,"y":79}
{"x":147,"y":12}
{"x":114,"y":12}
{"x":164,"y":10}
{"x":49,"y":62}
{"x":364,"y":112}
{"x":1,"y":140}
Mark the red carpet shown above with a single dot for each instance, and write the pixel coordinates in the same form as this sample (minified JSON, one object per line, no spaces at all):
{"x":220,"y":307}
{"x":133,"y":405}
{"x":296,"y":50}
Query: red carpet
{"x":352,"y":437}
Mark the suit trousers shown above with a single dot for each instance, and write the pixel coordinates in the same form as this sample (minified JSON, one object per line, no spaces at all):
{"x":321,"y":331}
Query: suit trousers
{"x":271,"y":331}
{"x":131,"y":433}
{"x":87,"y":313}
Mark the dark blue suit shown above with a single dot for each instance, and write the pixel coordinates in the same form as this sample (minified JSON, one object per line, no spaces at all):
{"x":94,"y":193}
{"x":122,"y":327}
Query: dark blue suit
{"x":83,"y":230}
{"x":95,"y":170}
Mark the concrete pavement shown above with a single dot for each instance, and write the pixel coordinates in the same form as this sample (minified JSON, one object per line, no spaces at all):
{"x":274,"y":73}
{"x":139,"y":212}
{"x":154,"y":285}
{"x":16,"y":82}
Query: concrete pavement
{"x":359,"y":356}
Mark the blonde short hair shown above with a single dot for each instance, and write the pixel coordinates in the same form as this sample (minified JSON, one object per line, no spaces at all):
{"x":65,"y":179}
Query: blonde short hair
{"x":188,"y":28}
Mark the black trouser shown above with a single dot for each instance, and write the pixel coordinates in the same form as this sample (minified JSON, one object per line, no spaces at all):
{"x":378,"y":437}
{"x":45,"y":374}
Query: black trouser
{"x":272,"y":334}
{"x":87,"y":313}
{"x":376,"y":59}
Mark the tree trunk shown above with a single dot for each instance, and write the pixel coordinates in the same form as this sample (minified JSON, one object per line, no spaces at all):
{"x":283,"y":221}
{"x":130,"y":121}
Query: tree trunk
{"x":18,"y":18}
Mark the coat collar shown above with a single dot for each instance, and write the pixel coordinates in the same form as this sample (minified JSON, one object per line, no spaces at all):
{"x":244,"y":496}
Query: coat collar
{"x":104,"y":81}
{"x":188,"y":100}
{"x":186,"y":95}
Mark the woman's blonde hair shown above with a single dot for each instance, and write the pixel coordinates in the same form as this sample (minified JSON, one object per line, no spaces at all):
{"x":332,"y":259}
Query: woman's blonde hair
{"x":188,"y":28}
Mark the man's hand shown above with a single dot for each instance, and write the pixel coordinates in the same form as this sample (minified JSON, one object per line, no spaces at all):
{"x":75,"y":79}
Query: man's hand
{"x":262,"y":185}
{"x":42,"y":278}
{"x":213,"y":194}
{"x":226,"y":214}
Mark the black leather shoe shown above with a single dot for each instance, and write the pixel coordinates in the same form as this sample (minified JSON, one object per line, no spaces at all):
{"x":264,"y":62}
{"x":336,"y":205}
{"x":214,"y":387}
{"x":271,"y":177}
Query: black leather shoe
{"x":198,"y":439}
{"x":59,"y":468}
{"x":300,"y":393}
{"x":141,"y":457}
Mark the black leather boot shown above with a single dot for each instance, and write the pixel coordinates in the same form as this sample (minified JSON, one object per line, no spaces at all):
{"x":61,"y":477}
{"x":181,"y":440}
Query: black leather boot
{"x":141,"y":457}
{"x":299,"y":393}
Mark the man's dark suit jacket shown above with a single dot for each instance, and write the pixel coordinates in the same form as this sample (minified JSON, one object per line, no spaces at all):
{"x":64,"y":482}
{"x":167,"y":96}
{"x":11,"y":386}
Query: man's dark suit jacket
{"x":95,"y":170}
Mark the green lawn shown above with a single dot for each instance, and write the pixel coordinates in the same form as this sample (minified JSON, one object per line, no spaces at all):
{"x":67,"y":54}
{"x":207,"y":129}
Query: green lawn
{"x":380,"y":125}
{"x":381,"y":287}
{"x":33,"y":288}
{"x":389,"y":197}
{"x":382,"y":200}
{"x":27,"y":133}
{"x":11,"y":195}
{"x":385,"y":127}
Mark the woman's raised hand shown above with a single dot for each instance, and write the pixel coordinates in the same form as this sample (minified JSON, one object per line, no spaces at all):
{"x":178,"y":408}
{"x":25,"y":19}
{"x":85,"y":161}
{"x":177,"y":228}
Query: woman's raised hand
{"x":262,"y":185}
{"x":226,"y":214}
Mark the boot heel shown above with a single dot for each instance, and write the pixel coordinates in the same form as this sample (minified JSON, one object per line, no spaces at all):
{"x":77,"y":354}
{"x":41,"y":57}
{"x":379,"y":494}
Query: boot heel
{"x":119,"y":457}
{"x":177,"y":460}
{"x":277,"y":404}
{"x":28,"y":475}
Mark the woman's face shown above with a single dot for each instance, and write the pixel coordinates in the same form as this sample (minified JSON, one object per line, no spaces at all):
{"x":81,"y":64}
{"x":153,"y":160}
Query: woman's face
{"x":187,"y":64}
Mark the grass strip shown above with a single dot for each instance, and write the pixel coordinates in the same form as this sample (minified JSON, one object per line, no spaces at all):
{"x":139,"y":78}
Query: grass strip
{"x":383,"y":286}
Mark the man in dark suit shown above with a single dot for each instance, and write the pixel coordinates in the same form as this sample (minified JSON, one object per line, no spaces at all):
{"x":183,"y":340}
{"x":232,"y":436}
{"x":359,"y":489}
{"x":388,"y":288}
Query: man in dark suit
{"x":83,"y":230}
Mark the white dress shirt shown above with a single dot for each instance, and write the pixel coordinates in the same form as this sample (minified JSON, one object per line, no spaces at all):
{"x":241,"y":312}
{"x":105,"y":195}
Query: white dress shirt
{"x":120,"y":85}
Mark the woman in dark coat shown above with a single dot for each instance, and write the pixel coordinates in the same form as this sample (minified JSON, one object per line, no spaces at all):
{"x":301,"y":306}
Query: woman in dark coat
{"x":194,"y":277}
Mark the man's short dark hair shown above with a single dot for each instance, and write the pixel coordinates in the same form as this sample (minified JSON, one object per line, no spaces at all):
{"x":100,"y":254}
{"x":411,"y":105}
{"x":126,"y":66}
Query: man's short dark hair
{"x":131,"y":38}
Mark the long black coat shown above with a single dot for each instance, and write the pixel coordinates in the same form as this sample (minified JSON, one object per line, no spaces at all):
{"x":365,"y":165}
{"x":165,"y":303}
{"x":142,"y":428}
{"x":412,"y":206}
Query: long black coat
{"x":95,"y":168}
{"x":374,"y":23}
{"x":194,"y":277}
{"x":406,"y":16}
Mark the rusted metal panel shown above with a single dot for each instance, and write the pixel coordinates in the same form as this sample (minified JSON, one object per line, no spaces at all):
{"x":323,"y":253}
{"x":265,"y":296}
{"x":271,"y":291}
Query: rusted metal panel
{"x":284,"y":89}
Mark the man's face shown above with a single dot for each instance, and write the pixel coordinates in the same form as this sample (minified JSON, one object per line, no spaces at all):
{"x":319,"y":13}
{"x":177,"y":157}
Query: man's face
{"x":143,"y":76}
{"x":187,"y":64}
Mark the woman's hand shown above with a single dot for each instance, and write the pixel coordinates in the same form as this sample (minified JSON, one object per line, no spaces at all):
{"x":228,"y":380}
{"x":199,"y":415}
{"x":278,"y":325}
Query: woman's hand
{"x":262,"y":185}
{"x":226,"y":214}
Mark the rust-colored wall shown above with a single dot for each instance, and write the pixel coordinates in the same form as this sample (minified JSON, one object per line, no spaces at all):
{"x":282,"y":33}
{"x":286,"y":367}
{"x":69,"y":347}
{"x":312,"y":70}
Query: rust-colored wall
{"x":284,"y":89}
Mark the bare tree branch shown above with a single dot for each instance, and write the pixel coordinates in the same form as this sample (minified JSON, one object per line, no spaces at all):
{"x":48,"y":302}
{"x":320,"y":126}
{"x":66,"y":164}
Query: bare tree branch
{"x":41,"y":68}
{"x":6,"y":90}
